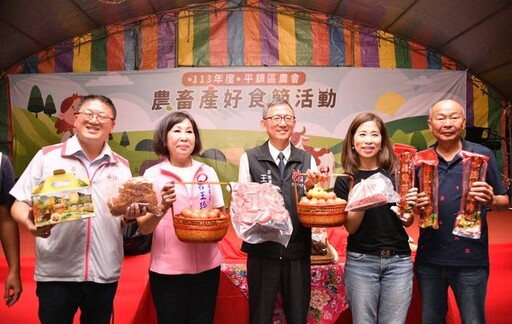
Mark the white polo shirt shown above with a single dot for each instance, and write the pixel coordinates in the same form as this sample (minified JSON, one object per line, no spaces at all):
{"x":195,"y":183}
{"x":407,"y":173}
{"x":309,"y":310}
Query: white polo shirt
{"x":82,"y":250}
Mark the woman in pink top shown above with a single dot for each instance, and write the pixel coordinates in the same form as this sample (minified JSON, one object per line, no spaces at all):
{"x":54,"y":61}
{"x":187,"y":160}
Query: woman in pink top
{"x":184,"y":277}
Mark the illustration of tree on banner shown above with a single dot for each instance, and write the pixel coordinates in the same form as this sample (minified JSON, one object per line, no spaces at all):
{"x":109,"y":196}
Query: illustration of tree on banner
{"x":35,"y":102}
{"x":125,"y":141}
{"x":49,"y":106}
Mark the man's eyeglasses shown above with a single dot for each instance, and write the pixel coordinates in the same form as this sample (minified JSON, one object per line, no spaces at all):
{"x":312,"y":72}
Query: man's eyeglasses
{"x":277,"y":119}
{"x":88,"y":116}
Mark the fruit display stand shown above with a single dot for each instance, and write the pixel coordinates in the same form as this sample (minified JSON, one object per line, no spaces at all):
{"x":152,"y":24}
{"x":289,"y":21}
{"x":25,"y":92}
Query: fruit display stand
{"x":202,"y":227}
{"x":321,"y":212}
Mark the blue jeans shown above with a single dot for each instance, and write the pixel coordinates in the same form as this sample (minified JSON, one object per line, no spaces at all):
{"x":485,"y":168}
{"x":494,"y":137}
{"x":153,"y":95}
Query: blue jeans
{"x":59,"y":301}
{"x":469,"y":285}
{"x":378,"y":289}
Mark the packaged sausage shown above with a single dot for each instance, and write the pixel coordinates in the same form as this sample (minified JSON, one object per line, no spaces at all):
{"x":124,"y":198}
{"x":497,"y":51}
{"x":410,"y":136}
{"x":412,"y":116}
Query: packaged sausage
{"x":404,"y":178}
{"x":427,"y":162}
{"x":468,"y":222}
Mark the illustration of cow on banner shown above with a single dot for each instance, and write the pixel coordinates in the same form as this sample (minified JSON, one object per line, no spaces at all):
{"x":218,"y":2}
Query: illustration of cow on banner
{"x":324,"y":158}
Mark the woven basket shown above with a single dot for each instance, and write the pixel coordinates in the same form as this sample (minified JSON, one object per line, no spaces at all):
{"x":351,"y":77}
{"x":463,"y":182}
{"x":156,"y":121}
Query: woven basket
{"x":202,"y":230}
{"x":322,"y":215}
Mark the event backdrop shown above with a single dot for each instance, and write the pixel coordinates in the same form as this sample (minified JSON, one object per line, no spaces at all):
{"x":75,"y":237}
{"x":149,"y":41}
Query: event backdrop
{"x":227,"y":105}
{"x":238,"y":33}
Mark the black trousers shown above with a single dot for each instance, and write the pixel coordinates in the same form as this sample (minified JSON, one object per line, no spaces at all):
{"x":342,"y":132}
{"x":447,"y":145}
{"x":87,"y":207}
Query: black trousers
{"x":186,"y":298}
{"x":59,"y":301}
{"x":266,"y":276}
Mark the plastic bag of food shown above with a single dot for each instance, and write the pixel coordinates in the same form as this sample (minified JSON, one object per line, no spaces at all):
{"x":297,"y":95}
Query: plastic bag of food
{"x":427,"y":162}
{"x":135,"y":190}
{"x":258,"y":213}
{"x":468,"y":222}
{"x":373,"y":192}
{"x":404,"y":178}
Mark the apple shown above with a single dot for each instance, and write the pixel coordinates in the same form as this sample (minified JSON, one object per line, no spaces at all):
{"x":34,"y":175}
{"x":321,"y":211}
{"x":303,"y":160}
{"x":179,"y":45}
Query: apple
{"x":313,"y":202}
{"x":329,"y":195}
{"x":186,"y":212}
{"x":304,"y":201}
{"x":200,"y":213}
{"x":212,"y":214}
{"x":216,"y":213}
{"x":339,"y":201}
{"x":316,"y":192}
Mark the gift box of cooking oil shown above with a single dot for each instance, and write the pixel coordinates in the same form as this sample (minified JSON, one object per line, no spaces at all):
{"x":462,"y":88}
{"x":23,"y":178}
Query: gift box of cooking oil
{"x":61,"y":197}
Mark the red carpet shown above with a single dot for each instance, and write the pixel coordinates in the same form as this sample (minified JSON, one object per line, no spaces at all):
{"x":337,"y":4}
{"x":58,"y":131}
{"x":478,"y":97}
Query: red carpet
{"x":134,"y":277}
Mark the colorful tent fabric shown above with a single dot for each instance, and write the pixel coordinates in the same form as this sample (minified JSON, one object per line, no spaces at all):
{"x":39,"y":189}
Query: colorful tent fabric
{"x":258,"y":34}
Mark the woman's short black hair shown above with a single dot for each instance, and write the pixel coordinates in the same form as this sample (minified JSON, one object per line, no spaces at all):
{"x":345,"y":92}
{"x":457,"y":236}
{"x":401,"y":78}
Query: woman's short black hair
{"x":160,"y":137}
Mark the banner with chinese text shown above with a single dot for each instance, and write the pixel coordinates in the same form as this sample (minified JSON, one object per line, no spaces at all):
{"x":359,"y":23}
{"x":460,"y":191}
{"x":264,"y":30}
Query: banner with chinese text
{"x":227,"y":105}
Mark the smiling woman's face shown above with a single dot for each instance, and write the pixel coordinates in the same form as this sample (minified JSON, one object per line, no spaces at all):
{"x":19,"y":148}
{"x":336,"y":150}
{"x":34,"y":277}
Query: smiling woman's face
{"x":181,"y":141}
{"x":368,"y":141}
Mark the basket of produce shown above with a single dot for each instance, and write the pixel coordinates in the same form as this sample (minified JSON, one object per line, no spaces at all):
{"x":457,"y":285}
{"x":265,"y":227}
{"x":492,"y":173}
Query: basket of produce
{"x":320,"y":207}
{"x":193,"y":225}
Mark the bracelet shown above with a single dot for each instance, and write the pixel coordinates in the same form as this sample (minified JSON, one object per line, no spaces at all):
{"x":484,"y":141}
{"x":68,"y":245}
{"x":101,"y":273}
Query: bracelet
{"x":159,"y":214}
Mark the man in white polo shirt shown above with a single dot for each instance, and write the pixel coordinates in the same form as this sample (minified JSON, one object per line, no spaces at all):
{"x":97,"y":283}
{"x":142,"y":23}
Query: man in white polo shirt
{"x":78,"y":263}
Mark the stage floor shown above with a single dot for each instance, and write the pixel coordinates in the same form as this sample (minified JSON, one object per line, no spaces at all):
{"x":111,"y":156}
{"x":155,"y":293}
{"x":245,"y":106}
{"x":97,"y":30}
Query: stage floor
{"x":134,"y":277}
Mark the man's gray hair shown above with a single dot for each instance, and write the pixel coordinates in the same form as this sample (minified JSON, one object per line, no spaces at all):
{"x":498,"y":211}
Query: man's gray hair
{"x":455,"y":101}
{"x":276,"y":101}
